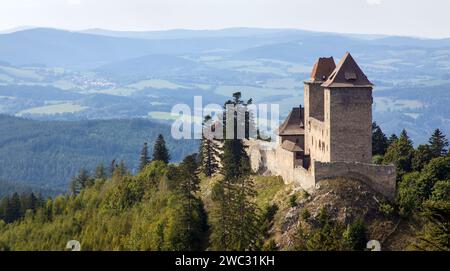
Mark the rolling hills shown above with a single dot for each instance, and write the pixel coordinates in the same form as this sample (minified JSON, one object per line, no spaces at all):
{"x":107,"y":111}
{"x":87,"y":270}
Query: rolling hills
{"x":51,"y":74}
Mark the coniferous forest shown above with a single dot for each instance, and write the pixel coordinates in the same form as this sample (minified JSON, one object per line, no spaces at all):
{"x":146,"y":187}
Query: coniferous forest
{"x":46,"y":154}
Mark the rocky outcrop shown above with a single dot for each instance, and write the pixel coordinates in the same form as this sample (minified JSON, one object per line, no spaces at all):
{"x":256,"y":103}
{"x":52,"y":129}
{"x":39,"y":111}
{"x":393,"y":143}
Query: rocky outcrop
{"x":345,"y":201}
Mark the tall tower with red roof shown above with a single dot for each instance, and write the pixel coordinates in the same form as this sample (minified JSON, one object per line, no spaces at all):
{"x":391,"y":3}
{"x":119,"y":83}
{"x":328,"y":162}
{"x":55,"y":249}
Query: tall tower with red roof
{"x":338,"y":112}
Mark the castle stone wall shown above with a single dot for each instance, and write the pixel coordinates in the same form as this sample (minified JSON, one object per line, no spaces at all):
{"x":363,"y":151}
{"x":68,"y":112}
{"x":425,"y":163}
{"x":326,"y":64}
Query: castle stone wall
{"x":381,"y":178}
{"x":271,"y":159}
{"x":313,"y":102}
{"x":304,"y":178}
{"x":318,"y":136}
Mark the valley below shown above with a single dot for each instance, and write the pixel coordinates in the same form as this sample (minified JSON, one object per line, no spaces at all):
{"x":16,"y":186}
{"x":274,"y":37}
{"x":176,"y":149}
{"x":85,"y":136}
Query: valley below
{"x":111,"y":75}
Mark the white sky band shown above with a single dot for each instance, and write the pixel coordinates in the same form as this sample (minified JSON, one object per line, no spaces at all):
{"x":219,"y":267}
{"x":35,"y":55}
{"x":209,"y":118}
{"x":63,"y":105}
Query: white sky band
{"x":393,"y":17}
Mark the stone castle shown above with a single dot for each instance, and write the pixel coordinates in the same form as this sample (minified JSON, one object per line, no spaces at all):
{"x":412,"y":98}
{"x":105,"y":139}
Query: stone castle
{"x":331,"y":136}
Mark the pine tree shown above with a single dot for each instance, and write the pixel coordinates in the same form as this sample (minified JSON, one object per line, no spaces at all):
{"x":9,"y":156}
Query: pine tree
{"x":401,"y":154}
{"x":379,"y":140}
{"x":245,"y":232}
{"x":422,"y":156}
{"x":28,"y":201}
{"x":235,"y":217}
{"x":235,"y":161}
{"x":24,"y":203}
{"x":81,"y":181}
{"x":392,"y":139}
{"x":208,"y":150}
{"x":438,"y":144}
{"x":40,"y":201}
{"x":122,"y":168}
{"x":13,"y":209}
{"x":243,"y":120}
{"x":112,"y":167}
{"x":33,"y":202}
{"x":100,"y":172}
{"x":251,"y":130}
{"x":188,"y":184}
{"x":144,"y":159}
{"x":4,"y":202}
{"x":160,"y":152}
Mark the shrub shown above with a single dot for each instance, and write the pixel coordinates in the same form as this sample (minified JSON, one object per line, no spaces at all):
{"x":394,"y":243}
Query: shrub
{"x":377,"y":159}
{"x":270,"y":246}
{"x":355,"y":235}
{"x":386,"y":209}
{"x":305,"y":194}
{"x":270,"y":212}
{"x":306,"y":214}
{"x":293,"y":200}
{"x":441,"y":191}
{"x":410,"y":194}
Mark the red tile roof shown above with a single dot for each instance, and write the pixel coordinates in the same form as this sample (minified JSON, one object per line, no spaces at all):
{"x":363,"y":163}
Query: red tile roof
{"x":294,"y":123}
{"x":347,"y":74}
{"x":323,"y":67}
{"x":291,"y":146}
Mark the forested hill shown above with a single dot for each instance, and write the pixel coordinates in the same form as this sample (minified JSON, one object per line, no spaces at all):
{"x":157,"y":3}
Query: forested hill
{"x":207,"y":203}
{"x":9,"y":188}
{"x":49,"y":153}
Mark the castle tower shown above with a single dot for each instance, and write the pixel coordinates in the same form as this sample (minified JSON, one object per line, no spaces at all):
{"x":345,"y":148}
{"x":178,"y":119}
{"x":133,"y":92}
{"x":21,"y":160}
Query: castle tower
{"x":313,"y":89}
{"x":348,"y":114}
{"x":314,"y":105}
{"x":332,"y":136}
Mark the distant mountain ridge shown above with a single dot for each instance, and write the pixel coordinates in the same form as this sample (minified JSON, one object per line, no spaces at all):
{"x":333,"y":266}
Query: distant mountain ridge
{"x":97,"y":47}
{"x":102,"y":74}
{"x":16,"y":29}
{"x":53,"y":47}
{"x":194,"y":34}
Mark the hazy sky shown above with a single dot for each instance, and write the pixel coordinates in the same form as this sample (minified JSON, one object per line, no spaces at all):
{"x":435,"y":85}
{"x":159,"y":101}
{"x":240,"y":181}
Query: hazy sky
{"x":427,"y":18}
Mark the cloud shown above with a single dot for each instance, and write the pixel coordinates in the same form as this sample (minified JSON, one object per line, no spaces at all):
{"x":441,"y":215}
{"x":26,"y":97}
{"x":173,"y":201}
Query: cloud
{"x":374,"y":2}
